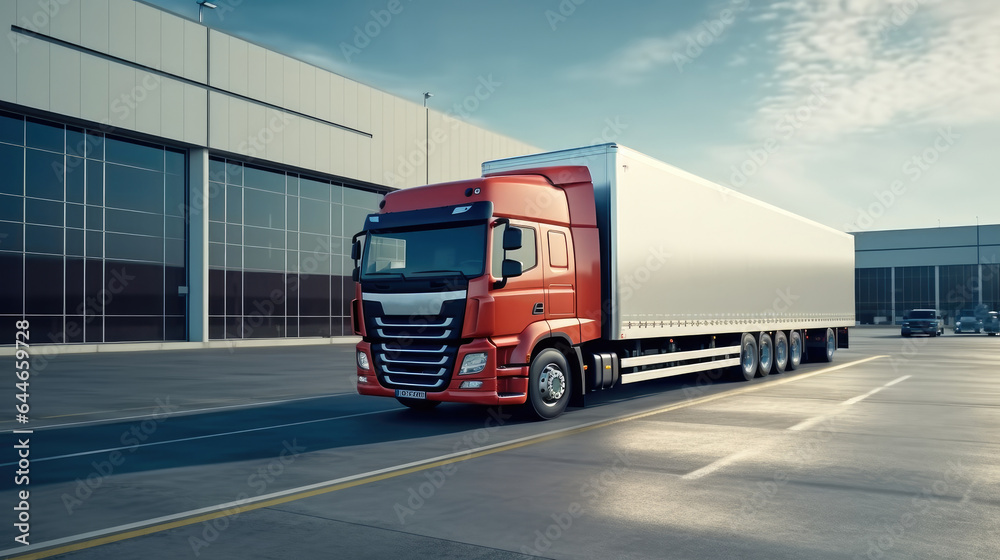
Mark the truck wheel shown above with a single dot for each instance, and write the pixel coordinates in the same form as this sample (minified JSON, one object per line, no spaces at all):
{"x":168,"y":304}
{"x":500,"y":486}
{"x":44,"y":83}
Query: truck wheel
{"x":748,"y":357}
{"x":766,"y":350}
{"x":418,"y":404}
{"x":548,"y":384}
{"x":794,"y":349}
{"x":780,"y":352}
{"x":830,"y":343}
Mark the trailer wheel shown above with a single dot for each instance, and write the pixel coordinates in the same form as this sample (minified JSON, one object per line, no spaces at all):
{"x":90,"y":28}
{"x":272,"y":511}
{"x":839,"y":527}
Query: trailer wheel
{"x":417,"y":404}
{"x":766,"y":350}
{"x":748,"y":356}
{"x":830,"y":345}
{"x":780,"y":352}
{"x":549,"y":384}
{"x":794,"y":350}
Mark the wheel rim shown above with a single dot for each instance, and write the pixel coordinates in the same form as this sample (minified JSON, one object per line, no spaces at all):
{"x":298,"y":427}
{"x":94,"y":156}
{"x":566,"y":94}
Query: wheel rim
{"x":765,"y":355}
{"x":831,"y":345}
{"x":795,"y":349}
{"x":551,"y":384}
{"x":781,"y":352}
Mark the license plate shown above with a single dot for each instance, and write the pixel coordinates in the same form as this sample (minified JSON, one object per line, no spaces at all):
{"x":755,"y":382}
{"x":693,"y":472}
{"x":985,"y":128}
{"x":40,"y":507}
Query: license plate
{"x":410,"y":394}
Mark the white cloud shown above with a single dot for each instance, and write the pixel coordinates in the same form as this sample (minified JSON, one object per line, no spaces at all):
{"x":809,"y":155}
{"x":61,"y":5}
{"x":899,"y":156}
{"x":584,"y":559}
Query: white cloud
{"x":884,"y":63}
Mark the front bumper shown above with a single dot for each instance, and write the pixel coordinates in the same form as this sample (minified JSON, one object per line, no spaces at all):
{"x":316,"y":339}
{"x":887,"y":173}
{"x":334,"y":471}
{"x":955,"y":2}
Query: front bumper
{"x":500,"y":385}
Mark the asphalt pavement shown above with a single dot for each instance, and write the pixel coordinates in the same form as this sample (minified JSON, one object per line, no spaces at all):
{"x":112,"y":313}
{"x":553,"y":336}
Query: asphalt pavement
{"x":889,"y":452}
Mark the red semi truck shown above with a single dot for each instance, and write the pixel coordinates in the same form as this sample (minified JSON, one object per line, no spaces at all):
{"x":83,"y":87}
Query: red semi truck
{"x":563,"y":273}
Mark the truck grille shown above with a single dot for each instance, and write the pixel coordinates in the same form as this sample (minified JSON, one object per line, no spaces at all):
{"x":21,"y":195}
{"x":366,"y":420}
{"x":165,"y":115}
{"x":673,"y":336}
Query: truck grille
{"x":415,"y":351}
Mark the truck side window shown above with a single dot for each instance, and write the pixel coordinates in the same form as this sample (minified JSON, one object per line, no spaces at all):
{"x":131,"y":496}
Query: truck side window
{"x":558,"y":253}
{"x":527,"y":254}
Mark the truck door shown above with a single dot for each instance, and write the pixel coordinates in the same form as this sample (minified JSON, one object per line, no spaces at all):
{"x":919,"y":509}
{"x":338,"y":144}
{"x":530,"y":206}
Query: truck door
{"x":522,"y":301}
{"x":559,"y":276}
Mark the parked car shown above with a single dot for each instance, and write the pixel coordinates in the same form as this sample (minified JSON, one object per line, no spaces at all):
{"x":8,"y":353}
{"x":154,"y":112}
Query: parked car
{"x":922,"y":321}
{"x":968,"y":324}
{"x":992,"y":324}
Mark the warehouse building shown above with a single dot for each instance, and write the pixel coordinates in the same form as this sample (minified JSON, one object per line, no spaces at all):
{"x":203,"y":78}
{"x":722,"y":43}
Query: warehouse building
{"x":161,"y":181}
{"x":951,"y":269}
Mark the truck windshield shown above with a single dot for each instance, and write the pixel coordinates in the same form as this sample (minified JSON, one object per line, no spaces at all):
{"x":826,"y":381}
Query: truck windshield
{"x":455,"y":251}
{"x":921,"y":315}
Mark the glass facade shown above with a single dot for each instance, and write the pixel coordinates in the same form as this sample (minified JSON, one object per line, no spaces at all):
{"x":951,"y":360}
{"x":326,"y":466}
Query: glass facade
{"x":279,"y":252}
{"x":92,"y":234}
{"x":991,"y":286}
{"x":959,"y":289}
{"x":914,"y":289}
{"x":873,"y":295}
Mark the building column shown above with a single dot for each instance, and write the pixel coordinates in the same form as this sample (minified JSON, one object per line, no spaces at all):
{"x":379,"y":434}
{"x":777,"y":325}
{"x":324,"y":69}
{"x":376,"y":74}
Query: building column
{"x":892,"y":295}
{"x":980,"y":288}
{"x":197,"y":309}
{"x":937,"y":288}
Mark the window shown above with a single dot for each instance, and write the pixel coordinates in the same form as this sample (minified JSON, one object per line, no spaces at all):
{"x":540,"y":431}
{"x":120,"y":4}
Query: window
{"x":558,"y":253}
{"x":527,"y":254}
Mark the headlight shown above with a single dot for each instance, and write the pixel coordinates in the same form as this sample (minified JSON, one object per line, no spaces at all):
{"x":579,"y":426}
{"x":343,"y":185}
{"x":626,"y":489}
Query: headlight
{"x":473,"y":363}
{"x":362,"y":360}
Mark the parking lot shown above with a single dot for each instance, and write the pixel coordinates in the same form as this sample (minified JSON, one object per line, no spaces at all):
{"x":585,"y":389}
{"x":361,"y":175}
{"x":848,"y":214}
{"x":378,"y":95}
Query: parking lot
{"x":889,"y":452}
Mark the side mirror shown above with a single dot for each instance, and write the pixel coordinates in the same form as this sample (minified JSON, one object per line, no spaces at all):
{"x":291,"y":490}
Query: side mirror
{"x":511,"y":268}
{"x":356,"y":250}
{"x":511,"y":239}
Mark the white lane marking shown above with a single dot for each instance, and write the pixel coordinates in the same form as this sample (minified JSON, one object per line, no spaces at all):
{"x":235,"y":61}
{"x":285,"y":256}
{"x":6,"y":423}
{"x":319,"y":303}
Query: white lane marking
{"x":809,"y":423}
{"x":180,"y":412}
{"x":894,"y":381}
{"x":712,"y":467}
{"x":206,"y":436}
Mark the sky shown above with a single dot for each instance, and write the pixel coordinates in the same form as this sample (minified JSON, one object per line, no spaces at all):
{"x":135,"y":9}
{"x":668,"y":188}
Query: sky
{"x":859,"y":114}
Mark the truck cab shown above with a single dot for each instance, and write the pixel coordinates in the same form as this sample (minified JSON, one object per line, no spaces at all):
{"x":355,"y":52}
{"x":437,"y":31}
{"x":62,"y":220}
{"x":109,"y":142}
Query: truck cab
{"x":459,"y":284}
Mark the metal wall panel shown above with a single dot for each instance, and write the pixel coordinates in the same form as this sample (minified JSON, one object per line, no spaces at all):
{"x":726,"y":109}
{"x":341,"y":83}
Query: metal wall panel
{"x":171,"y":106}
{"x":147,"y":31}
{"x":147,"y":99}
{"x":218,"y":59}
{"x":33,"y":74}
{"x":218,"y":125}
{"x":322,"y":148}
{"x":195,"y":115}
{"x":275,"y":87}
{"x":256,"y":72}
{"x":8,"y":53}
{"x":256,"y":128}
{"x":917,"y":257}
{"x":64,"y":80}
{"x":94,"y":92}
{"x":195,"y":46}
{"x":121,"y":83}
{"x":121,"y":29}
{"x":172,"y":44}
{"x":239,"y":71}
{"x":239,"y":134}
{"x":275,"y":123}
{"x":322,"y":98}
{"x":307,"y":89}
{"x":33,"y":16}
{"x":65,"y":24}
{"x":290,"y":82}
{"x":307,"y":143}
{"x":94,"y":22}
{"x":291,"y":136}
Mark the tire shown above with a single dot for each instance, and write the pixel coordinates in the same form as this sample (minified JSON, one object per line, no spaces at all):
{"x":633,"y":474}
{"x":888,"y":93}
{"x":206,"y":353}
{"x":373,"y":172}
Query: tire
{"x":780,"y":352}
{"x":549,"y":384}
{"x":417,"y":404}
{"x":830,"y":342}
{"x":765,"y":346}
{"x":748,"y":357}
{"x":794,"y":350}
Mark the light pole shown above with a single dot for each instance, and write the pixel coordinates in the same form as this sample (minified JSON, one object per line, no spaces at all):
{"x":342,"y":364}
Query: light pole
{"x":427,"y":139}
{"x":202,"y":4}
